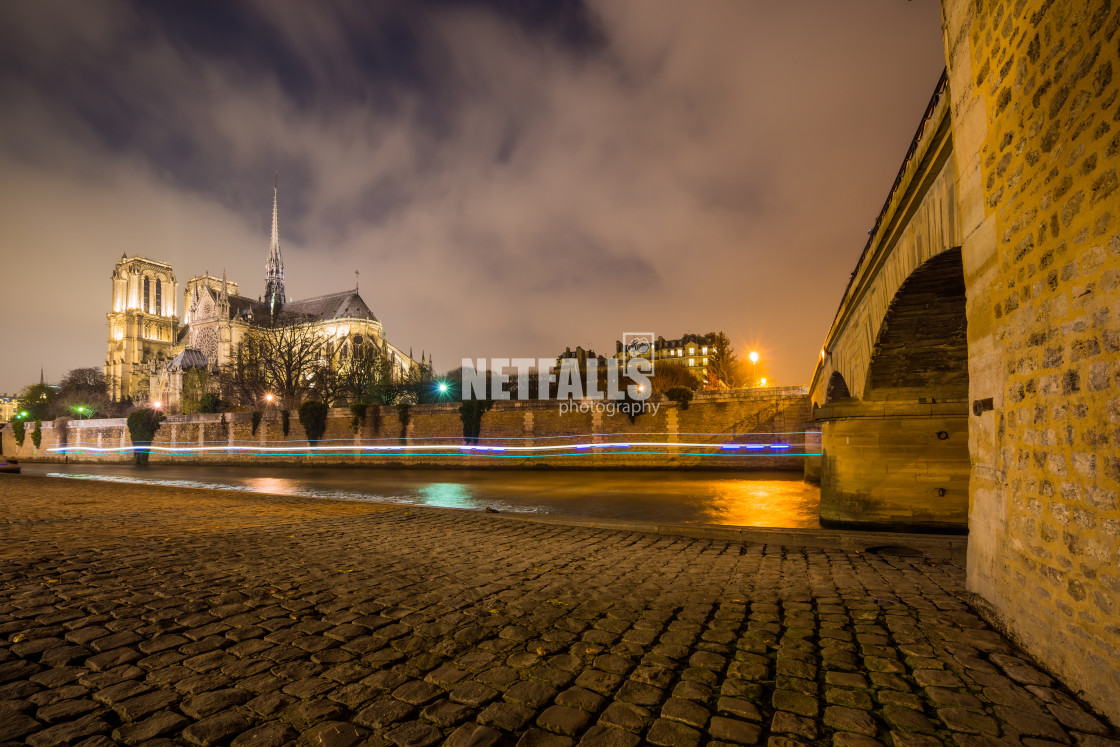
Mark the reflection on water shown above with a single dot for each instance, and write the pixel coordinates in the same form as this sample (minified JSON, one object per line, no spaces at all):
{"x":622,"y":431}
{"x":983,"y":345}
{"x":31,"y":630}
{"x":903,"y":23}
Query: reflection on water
{"x":273,"y":485}
{"x":772,"y":499}
{"x":446,"y":495}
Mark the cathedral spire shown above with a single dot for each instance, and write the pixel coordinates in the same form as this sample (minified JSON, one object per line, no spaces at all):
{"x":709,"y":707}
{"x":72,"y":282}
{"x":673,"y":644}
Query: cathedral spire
{"x":274,"y":268}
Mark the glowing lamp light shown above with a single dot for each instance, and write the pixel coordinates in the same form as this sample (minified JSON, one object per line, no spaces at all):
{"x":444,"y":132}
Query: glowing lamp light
{"x":268,"y":398}
{"x":753,"y":356}
{"x":442,"y":386}
{"x":23,"y":413}
{"x":762,"y":381}
{"x":157,"y":404}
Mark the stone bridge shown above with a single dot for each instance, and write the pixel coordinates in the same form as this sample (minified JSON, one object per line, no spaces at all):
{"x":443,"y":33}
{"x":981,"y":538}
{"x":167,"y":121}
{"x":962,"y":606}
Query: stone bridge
{"x":971,"y":377}
{"x":891,"y":383}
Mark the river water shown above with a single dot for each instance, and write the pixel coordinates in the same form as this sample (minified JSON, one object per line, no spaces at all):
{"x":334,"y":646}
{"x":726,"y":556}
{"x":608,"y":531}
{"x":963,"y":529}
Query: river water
{"x":760,"y":499}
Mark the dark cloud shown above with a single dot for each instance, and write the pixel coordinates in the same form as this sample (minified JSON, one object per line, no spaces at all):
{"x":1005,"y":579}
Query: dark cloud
{"x":510,"y":178}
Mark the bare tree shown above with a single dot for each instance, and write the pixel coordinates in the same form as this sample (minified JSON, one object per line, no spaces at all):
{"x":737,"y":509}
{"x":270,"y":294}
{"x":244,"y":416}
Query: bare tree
{"x":243,"y":379}
{"x":370,"y":377}
{"x":328,"y":374}
{"x":82,"y":393}
{"x":669,"y":374}
{"x":280,"y":356}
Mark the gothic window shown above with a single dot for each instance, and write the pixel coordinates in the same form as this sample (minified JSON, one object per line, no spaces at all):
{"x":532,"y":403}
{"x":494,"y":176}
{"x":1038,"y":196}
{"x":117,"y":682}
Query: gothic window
{"x":159,"y":296}
{"x":145,"y":305}
{"x":207,"y":342}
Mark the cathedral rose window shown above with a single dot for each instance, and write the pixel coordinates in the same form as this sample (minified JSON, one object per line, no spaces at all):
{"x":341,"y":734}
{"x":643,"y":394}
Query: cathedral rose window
{"x":207,"y":342}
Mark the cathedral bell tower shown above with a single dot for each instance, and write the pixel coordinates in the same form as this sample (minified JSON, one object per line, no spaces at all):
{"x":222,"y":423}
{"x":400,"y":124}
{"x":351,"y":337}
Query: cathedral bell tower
{"x":274,"y":268}
{"x":142,"y":323}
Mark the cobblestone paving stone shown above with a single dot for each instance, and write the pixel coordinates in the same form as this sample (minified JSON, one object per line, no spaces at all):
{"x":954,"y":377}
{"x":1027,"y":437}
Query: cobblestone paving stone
{"x":140,"y":615}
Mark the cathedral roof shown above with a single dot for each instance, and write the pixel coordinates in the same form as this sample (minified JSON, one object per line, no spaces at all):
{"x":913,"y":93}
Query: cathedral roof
{"x":247,"y":307}
{"x":344,"y":305}
{"x":189,"y":358}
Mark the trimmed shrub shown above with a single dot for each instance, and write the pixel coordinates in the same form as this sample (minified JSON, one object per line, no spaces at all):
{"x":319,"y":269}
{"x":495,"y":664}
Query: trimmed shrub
{"x":37,"y":434}
{"x":470,"y":412}
{"x":142,"y":427}
{"x":682,"y":395}
{"x":19,"y":430}
{"x":210,"y":402}
{"x":62,"y":430}
{"x":357,"y":415}
{"x":635,"y":406}
{"x":402,"y":413}
{"x":313,"y":418}
{"x":374,"y":413}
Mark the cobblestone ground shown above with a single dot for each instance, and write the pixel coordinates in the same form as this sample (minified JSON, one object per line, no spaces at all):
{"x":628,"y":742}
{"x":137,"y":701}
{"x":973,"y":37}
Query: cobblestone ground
{"x":137,"y":615}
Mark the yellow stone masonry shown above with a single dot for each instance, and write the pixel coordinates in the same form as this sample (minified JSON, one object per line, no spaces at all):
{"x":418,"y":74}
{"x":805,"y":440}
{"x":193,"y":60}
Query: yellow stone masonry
{"x":1036,"y":123}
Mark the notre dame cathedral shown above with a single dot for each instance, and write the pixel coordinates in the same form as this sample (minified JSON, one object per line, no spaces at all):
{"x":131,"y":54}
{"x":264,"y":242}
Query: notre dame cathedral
{"x":150,"y":347}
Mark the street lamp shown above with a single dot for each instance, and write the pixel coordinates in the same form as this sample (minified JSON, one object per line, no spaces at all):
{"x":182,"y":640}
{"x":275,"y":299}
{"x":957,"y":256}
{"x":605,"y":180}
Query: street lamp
{"x":157,"y":404}
{"x":754,"y":360}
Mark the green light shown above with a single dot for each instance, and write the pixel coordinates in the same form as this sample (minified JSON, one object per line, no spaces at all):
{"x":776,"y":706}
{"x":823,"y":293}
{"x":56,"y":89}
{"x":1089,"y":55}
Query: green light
{"x":443,"y":387}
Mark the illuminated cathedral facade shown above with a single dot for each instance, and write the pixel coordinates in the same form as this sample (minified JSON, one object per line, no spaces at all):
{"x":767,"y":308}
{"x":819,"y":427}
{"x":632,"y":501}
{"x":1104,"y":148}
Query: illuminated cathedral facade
{"x":151,"y":346}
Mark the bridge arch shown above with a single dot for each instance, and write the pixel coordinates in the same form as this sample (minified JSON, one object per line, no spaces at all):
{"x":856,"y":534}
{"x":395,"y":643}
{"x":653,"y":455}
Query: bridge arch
{"x":837,"y":388}
{"x":921,"y":352}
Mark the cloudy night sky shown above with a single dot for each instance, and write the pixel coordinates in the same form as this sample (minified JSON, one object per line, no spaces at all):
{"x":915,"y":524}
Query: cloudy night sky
{"x":508,"y":177}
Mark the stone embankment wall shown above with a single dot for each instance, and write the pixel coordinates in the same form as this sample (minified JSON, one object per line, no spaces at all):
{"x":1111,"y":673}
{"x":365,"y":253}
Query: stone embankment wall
{"x":1036,"y":127}
{"x":774,"y":415}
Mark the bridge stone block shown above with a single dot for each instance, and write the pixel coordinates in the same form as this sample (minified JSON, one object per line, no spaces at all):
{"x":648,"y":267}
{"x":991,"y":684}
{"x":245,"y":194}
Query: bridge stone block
{"x":896,"y":465}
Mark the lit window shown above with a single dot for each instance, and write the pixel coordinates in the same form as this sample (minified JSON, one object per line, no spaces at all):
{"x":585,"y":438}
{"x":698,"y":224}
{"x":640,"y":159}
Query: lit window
{"x":704,"y":350}
{"x":692,"y":361}
{"x":705,"y":361}
{"x":692,"y":351}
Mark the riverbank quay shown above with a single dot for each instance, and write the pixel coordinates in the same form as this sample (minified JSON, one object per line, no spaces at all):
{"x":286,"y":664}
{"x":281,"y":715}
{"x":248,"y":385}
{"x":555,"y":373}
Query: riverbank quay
{"x":743,"y":430}
{"x":130,"y":613}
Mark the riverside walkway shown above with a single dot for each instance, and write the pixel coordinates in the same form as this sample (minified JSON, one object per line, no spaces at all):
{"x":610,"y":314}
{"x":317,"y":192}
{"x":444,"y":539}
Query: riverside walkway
{"x":140,"y":615}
